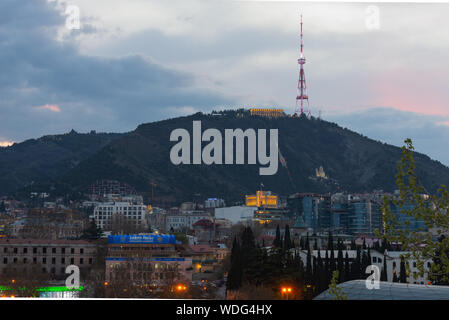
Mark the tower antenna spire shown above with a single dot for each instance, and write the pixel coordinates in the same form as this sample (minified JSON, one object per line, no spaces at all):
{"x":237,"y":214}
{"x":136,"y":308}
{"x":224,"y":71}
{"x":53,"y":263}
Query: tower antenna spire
{"x":301,"y":98}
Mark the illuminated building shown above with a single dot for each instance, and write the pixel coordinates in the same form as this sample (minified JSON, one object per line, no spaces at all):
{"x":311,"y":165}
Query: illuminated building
{"x":147,"y":259}
{"x":268,"y":216}
{"x":262,"y":199}
{"x":270,"y":113}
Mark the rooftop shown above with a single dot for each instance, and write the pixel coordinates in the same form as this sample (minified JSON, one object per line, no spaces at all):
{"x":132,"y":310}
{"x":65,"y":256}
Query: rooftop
{"x":357,"y":290}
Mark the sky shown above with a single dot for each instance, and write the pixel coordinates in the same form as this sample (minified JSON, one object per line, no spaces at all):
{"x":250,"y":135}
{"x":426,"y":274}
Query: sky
{"x":138,"y":61}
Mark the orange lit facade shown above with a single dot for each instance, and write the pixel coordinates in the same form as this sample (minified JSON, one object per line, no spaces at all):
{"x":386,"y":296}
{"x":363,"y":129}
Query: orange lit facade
{"x":261,"y":199}
{"x":270,"y":113}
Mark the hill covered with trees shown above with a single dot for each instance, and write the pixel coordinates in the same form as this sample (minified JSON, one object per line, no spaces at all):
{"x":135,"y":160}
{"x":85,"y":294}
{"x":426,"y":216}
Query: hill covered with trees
{"x":349,"y":161}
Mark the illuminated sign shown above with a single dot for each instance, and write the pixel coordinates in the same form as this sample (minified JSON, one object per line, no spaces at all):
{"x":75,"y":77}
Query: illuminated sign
{"x":142,"y":239}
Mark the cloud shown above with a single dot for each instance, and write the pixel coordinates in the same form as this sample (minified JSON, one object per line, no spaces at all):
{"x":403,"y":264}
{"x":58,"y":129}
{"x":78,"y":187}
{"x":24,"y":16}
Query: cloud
{"x":4,"y":144}
{"x":102,"y":93}
{"x":51,"y":107}
{"x":429,"y":133}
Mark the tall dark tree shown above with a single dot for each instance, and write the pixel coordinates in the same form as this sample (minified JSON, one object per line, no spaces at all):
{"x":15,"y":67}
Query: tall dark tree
{"x":332,"y":264}
{"x":307,"y":244}
{"x":340,"y":263}
{"x":356,"y":266}
{"x":2,"y":206}
{"x":277,"y":240}
{"x":92,"y":232}
{"x":287,"y":239}
{"x":308,"y":267}
{"x":235,"y":273}
{"x":384,"y":272}
{"x":403,"y":272}
{"x":347,"y":267}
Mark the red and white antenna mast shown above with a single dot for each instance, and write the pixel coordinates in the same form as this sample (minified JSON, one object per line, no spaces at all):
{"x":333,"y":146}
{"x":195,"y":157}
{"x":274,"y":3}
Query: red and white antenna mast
{"x":302,"y":97}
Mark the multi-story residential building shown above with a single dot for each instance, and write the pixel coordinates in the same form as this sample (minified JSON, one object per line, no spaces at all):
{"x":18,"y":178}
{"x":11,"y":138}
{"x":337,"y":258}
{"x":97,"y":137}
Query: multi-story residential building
{"x":53,"y":256}
{"x":104,"y":213}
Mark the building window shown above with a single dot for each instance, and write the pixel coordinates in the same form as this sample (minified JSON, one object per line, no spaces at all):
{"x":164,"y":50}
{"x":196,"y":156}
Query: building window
{"x":5,"y":260}
{"x":44,"y":260}
{"x":5,"y":250}
{"x":72,"y":260}
{"x":81,"y":250}
{"x":62,"y":250}
{"x":25,"y":260}
{"x":34,"y":250}
{"x":90,"y":260}
{"x":53,"y":250}
{"x":81,"y":260}
{"x":25,"y":250}
{"x":15,"y":250}
{"x":34,"y":260}
{"x":44,"y":250}
{"x":72,"y":250}
{"x":53,"y":260}
{"x":62,"y":260}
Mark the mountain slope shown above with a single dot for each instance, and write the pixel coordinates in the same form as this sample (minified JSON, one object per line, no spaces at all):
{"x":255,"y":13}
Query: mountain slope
{"x":43,"y":159}
{"x":352,"y":162}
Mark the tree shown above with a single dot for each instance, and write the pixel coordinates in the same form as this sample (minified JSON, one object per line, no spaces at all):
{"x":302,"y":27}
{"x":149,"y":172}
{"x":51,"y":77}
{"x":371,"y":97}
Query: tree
{"x":92,"y":232}
{"x":287,"y":239}
{"x":347,"y":267}
{"x":340,"y":264}
{"x":335,"y":290}
{"x":277,"y":240}
{"x":418,"y":204}
{"x":2,"y":206}
{"x":330,"y":246}
{"x":403,"y":272}
{"x":234,"y":280}
{"x":384,"y":272}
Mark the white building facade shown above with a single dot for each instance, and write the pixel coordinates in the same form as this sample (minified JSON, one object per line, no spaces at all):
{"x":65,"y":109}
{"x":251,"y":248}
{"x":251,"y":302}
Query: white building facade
{"x":105,"y":211}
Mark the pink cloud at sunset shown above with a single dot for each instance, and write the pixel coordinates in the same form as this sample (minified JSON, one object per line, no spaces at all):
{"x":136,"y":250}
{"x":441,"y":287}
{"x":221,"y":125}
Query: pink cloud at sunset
{"x":51,"y":107}
{"x":6,"y":144}
{"x":411,"y":90}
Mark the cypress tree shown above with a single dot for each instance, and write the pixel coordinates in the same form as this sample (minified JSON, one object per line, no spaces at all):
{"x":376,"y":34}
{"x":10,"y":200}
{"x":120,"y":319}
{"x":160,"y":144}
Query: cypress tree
{"x":340,"y":264}
{"x":307,"y":244}
{"x":287,"y":238}
{"x":395,"y":277}
{"x":301,"y":243}
{"x":309,"y":267}
{"x":403,"y":273}
{"x":277,"y":240}
{"x":347,"y":267}
{"x":234,"y":280}
{"x":332,"y":265}
{"x":383,"y":274}
{"x":327,"y":272}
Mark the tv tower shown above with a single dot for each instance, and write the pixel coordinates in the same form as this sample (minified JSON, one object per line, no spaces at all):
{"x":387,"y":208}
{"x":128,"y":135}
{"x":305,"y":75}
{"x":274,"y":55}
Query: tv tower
{"x":302,"y":96}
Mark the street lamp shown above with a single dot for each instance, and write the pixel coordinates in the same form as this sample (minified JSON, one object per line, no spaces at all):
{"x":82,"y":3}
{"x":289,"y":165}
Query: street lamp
{"x":286,"y":291}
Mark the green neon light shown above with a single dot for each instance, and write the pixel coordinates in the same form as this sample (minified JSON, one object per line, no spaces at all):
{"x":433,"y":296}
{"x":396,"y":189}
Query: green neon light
{"x":47,"y":289}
